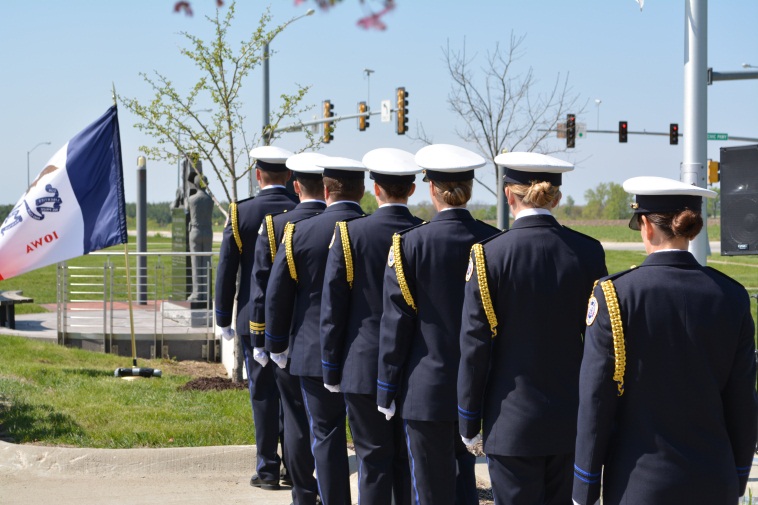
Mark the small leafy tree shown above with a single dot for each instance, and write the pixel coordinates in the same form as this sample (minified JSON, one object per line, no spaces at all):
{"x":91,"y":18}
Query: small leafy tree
{"x":607,"y":201}
{"x":220,"y":141}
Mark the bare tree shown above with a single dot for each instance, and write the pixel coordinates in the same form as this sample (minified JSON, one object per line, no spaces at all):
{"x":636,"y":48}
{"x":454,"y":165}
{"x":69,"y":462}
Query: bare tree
{"x":500,"y":108}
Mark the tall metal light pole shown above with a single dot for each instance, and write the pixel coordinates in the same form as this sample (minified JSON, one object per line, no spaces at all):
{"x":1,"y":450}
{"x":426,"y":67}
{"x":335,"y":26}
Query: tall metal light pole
{"x":28,"y":181}
{"x":598,"y":102}
{"x":266,"y":112}
{"x":368,"y":93}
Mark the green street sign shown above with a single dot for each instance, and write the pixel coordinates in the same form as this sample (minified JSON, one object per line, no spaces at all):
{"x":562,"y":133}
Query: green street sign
{"x":718,"y":136}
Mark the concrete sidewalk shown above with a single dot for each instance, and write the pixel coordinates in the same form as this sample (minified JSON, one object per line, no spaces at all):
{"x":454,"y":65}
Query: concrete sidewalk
{"x":36,"y":475}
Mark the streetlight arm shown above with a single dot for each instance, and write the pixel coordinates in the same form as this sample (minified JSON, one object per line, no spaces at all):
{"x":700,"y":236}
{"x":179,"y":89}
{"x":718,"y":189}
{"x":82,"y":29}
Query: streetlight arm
{"x":28,"y":180}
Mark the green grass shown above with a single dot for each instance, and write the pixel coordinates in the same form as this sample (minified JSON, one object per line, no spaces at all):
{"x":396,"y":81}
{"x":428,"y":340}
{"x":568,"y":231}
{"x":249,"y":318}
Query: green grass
{"x":40,"y":284}
{"x":620,"y":231}
{"x":743,"y":269}
{"x":61,"y":396}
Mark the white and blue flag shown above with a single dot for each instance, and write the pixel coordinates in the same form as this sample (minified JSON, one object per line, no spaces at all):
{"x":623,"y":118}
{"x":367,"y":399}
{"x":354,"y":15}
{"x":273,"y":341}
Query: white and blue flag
{"x":74,"y":206}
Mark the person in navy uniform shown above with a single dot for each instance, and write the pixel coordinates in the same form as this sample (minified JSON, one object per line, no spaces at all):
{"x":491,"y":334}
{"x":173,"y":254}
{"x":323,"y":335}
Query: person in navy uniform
{"x":420,"y":326}
{"x":668,"y":408}
{"x":351,"y":308}
{"x":310,"y":188}
{"x":521,"y":338}
{"x":236,"y":254}
{"x":293,"y":307}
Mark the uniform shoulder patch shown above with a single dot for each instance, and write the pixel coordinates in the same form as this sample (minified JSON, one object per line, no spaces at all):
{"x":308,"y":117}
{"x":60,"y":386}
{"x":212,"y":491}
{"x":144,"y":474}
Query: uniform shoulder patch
{"x":470,"y":269}
{"x":592,"y":310}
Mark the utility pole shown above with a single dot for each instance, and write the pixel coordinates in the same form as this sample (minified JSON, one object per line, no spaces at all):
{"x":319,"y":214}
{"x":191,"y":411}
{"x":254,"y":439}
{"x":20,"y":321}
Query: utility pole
{"x":695,"y":133}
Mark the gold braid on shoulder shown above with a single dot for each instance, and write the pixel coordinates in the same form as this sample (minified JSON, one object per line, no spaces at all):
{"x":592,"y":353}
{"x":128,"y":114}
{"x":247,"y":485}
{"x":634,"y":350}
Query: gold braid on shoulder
{"x":289,"y":230}
{"x":271,"y":236}
{"x":484,"y":289}
{"x":619,"y":348}
{"x":235,"y":225}
{"x":346,"y":251}
{"x":396,"y":250}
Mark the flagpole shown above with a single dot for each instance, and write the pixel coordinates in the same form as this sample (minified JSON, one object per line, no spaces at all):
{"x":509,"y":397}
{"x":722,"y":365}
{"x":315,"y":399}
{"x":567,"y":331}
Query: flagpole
{"x":128,"y":278}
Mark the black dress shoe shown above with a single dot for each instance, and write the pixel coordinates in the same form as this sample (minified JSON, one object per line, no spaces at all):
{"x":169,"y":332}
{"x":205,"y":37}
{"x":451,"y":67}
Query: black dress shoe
{"x":268,"y":485}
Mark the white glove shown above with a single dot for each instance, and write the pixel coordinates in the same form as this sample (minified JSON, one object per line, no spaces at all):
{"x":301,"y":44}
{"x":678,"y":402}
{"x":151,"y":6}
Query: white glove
{"x":470,"y":442}
{"x":227,"y":332}
{"x":333,"y":389}
{"x":388,"y":413}
{"x":280,"y":358}
{"x":259,"y":355}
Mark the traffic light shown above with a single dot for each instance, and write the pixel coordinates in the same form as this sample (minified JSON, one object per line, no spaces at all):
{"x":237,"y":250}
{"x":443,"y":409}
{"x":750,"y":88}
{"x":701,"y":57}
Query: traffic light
{"x":673,"y":134}
{"x":622,"y":131}
{"x":402,"y":111}
{"x":328,"y":127}
{"x":713,"y":172}
{"x":363,"y":120}
{"x":570,"y":130}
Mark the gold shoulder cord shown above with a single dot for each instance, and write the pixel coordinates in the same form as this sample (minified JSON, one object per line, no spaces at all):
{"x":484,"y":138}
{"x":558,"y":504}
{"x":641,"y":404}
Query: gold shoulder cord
{"x":611,"y":300}
{"x":346,"y":251}
{"x":484,"y":289}
{"x":271,"y":236}
{"x":235,"y":225}
{"x":400,"y":274}
{"x":289,"y":230}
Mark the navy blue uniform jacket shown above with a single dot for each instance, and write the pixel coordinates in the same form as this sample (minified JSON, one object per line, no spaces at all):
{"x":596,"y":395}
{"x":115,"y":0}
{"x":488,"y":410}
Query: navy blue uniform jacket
{"x":269,"y":239}
{"x":419,"y":332}
{"x":523,"y":382}
{"x":351,"y":308}
{"x":293,"y":298}
{"x":684,"y":429}
{"x":234,"y":255}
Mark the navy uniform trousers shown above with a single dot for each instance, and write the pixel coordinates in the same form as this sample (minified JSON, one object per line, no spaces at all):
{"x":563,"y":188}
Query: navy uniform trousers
{"x":668,"y":413}
{"x":521,"y":348}
{"x":293,"y":306}
{"x":236,"y":256}
{"x":419,"y":349}
{"x":351,"y":310}
{"x":297,"y":450}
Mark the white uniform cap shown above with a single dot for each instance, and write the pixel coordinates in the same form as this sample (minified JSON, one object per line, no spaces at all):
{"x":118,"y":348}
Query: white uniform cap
{"x":445,"y":162}
{"x":525,"y":167}
{"x":662,"y":186}
{"x":345,"y":168}
{"x":270,"y":158}
{"x":306,"y":163}
{"x":391,"y":165}
{"x":661,"y":195}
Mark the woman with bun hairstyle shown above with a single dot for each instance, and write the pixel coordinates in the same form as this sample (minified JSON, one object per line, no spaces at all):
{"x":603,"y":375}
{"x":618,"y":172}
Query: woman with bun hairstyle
{"x":668,"y":406}
{"x":419,"y":330}
{"x":521,"y":338}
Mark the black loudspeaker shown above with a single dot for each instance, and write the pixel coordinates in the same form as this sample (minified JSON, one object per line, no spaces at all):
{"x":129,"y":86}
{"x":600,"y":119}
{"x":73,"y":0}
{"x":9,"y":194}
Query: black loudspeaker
{"x":739,"y":200}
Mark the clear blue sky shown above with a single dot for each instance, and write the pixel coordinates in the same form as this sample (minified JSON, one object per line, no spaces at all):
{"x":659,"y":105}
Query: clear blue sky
{"x":60,"y":58}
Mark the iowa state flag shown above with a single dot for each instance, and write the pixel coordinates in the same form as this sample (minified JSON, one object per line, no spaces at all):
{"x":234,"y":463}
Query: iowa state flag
{"x":73,"y":207}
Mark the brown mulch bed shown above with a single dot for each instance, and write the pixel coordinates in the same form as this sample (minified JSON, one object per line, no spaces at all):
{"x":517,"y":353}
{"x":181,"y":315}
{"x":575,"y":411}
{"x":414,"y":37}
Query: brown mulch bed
{"x":212,"y":384}
{"x":206,"y":376}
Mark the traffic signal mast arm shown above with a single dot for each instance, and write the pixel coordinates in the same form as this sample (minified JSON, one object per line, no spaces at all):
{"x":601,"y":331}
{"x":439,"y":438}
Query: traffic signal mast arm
{"x":299,"y":126}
